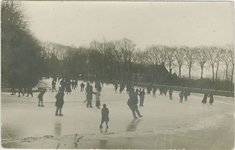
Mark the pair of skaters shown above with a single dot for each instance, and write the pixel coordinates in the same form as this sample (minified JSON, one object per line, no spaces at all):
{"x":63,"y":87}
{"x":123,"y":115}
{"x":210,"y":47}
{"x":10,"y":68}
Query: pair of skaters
{"x":59,"y":100}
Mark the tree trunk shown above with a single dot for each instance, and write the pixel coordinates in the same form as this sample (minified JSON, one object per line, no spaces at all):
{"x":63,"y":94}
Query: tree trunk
{"x":213,"y":73}
{"x":180,"y":71}
{"x":226,"y":72}
{"x":216,"y":74}
{"x":189,"y":73}
{"x":232,"y":74}
{"x":201,"y":72}
{"x":201,"y":75}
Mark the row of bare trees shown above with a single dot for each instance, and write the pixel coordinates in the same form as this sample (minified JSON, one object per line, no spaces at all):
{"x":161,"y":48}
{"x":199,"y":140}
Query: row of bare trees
{"x":122,"y":58}
{"x":193,"y":56}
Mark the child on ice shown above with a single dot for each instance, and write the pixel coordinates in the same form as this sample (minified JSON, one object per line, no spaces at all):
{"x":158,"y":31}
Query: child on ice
{"x":97,"y":94}
{"x":40,"y":97}
{"x":105,"y":116}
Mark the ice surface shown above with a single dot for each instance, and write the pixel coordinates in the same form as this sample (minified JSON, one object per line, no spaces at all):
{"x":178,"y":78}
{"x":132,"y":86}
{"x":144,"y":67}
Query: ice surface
{"x":165,"y":123}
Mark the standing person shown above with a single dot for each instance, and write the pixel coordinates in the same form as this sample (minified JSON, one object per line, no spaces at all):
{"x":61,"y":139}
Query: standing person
{"x":160,"y":90}
{"x":165,"y":90}
{"x":68,"y":86}
{"x":185,"y":94}
{"x":154,"y":92}
{"x":59,"y":102}
{"x":30,"y":91}
{"x":89,"y":92}
{"x":62,"y":83}
{"x":20,"y":91}
{"x":53,"y":85}
{"x":97,"y":98}
{"x":82,"y":86}
{"x":13,"y":92}
{"x":211,"y":101}
{"x":170,"y":94}
{"x":204,"y":100}
{"x":121,"y":88}
{"x":142,"y":93}
{"x":98,"y":86}
{"x":105,"y":117}
{"x":128,"y":87}
{"x":40,"y":97}
{"x":115,"y":87}
{"x":132,"y":103}
{"x":181,"y":95}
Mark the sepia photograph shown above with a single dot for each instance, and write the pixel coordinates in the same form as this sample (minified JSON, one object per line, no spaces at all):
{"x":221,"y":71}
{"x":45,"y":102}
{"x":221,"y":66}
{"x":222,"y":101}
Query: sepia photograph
{"x":117,"y":75}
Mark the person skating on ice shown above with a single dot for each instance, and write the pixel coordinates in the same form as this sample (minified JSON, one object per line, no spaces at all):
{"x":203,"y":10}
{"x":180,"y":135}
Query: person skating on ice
{"x":204,"y":100}
{"x":97,"y":98}
{"x":105,"y":117}
{"x":170,"y":94}
{"x":59,"y":102}
{"x":40,"y":98}
{"x":142,"y":93}
{"x":132,"y":103}
{"x":211,"y":101}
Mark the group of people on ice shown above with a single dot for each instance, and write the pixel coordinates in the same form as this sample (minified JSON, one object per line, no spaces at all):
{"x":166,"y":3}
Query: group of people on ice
{"x":132,"y":102}
{"x":211,"y":101}
{"x":162,"y":89}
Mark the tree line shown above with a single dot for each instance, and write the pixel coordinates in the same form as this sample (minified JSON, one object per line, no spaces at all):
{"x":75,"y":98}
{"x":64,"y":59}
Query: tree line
{"x":121,"y":60}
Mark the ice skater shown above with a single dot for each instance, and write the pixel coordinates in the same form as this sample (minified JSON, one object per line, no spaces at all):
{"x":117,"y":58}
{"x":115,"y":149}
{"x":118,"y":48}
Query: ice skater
{"x":142,"y":93}
{"x":82,"y":86}
{"x":29,"y":91}
{"x":97,"y":98}
{"x":132,"y":103}
{"x":170,"y":94}
{"x":53,"y":86}
{"x":59,"y":102}
{"x":181,"y":95}
{"x":211,"y":101}
{"x":204,"y":100}
{"x":121,"y":88}
{"x":105,"y":117}
{"x":13,"y":92}
{"x":40,"y":97}
{"x":20,"y":91}
{"x":154,"y":92}
{"x":115,"y":87}
{"x":89,"y":92}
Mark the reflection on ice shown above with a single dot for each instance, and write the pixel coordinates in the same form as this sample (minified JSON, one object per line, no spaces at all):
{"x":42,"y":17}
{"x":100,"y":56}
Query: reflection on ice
{"x":57,"y":128}
{"x":132,"y":126}
{"x":103,"y":144}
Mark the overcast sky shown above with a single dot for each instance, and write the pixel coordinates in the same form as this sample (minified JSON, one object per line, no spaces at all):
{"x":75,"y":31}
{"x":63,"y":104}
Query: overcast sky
{"x":145,"y":23}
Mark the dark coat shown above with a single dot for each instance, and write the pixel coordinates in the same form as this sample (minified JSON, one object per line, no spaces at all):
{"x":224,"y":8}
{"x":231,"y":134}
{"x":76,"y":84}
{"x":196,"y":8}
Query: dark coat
{"x":133,"y":100}
{"x":59,"y":99}
{"x":89,"y":91}
{"x":204,"y":98}
{"x":105,"y":114}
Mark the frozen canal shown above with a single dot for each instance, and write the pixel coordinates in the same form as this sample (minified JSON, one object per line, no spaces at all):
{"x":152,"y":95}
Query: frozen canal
{"x":166,"y":124}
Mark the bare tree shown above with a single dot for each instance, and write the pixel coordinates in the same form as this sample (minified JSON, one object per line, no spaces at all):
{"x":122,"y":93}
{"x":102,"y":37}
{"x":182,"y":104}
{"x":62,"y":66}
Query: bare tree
{"x":170,"y":57}
{"x":231,"y":56}
{"x":212,"y":59}
{"x":201,"y":57}
{"x":226,"y":61}
{"x":179,"y":56}
{"x":218,"y":57}
{"x":189,"y":59}
{"x":152,"y":54}
{"x":162,"y":54}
